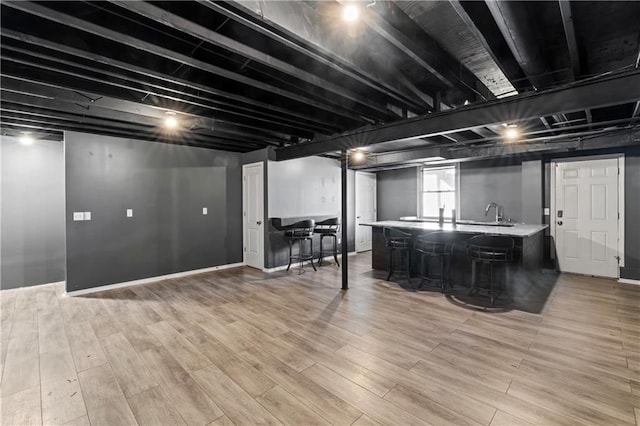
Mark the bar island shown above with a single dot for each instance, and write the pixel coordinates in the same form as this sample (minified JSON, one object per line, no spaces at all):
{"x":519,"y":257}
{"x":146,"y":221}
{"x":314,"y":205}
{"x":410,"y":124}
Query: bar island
{"x":528,"y":239}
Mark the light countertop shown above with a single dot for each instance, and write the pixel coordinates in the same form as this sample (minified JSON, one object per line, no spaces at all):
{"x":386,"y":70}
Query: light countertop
{"x":517,"y":230}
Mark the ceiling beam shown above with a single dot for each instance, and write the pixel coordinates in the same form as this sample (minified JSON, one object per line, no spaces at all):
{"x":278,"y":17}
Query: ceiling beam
{"x":18,"y":107}
{"x":479,"y":21}
{"x":422,"y":155}
{"x":297,"y":26}
{"x":570,"y":36}
{"x":47,"y":96}
{"x":609,"y":90}
{"x":229,"y":99}
{"x":427,"y":54}
{"x":147,"y":93}
{"x":136,"y":43}
{"x":178,"y":22}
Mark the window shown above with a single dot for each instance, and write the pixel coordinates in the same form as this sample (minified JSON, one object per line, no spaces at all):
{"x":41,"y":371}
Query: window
{"x":438,"y":190}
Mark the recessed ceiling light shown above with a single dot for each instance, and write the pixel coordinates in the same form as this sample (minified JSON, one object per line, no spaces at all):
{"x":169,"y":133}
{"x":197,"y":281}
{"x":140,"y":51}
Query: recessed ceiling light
{"x":170,"y":121}
{"x":26,"y":138}
{"x":350,"y":13}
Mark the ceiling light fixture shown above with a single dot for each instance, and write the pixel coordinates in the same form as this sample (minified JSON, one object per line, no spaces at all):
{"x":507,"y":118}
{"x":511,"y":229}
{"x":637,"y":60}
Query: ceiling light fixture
{"x":512,"y":132}
{"x":357,"y":156}
{"x":170,"y":121}
{"x":26,"y":138}
{"x":350,"y":13}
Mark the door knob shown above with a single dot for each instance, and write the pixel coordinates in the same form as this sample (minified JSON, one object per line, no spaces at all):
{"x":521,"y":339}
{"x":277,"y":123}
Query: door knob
{"x":560,"y":222}
{"x":259,"y":222}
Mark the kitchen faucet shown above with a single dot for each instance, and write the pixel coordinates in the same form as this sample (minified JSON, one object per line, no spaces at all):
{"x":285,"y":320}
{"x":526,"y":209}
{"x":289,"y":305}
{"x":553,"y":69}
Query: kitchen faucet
{"x":499,"y":211}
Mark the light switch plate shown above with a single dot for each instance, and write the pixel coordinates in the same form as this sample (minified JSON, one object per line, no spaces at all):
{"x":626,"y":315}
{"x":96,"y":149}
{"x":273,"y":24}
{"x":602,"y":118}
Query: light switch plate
{"x":547,"y":212}
{"x":78,"y":216}
{"x":205,"y":211}
{"x":87,"y":215}
{"x":129,"y":212}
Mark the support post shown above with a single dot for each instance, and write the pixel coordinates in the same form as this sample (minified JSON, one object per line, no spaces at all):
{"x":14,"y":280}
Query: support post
{"x":343,"y":221}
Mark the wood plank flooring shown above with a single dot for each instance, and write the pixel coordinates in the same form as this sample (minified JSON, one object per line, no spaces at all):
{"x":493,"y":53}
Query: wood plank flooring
{"x":242,"y":347}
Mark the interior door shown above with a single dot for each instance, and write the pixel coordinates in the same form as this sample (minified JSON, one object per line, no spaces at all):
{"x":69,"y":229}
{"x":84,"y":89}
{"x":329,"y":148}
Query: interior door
{"x":365,"y":208}
{"x":586,"y":217}
{"x":253,"y":213}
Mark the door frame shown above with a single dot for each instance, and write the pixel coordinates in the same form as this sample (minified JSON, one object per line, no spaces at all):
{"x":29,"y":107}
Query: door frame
{"x":375,"y":202}
{"x":621,"y":218}
{"x":244,"y":209}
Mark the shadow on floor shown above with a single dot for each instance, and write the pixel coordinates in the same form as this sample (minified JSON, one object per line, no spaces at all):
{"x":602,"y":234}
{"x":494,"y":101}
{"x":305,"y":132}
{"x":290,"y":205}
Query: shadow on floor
{"x":531,"y":291}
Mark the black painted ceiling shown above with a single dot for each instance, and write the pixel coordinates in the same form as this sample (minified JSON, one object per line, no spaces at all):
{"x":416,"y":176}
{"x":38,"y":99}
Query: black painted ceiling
{"x":245,"y":75}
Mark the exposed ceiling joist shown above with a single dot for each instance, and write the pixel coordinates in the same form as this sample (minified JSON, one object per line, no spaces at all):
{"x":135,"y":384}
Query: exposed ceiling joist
{"x":161,"y":51}
{"x":87,"y":103}
{"x":427,"y":54}
{"x":609,"y":90}
{"x":570,"y":35}
{"x":299,"y":27}
{"x":231,"y":100}
{"x":189,"y":27}
{"x":422,"y":155}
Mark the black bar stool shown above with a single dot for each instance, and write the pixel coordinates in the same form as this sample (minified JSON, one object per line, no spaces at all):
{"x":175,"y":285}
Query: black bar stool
{"x":399,"y":244}
{"x":437,"y":245}
{"x":328,"y":228}
{"x":489,"y":250}
{"x":301,"y":232}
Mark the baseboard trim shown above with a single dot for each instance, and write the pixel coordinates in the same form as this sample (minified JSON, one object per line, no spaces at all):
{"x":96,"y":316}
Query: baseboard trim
{"x":628,"y":281}
{"x":34,"y":285}
{"x":152,"y":279}
{"x":295,"y":265}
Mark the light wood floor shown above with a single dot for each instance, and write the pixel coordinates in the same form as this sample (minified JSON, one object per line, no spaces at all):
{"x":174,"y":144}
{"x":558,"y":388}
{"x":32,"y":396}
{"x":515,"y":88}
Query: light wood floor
{"x":242,"y":347}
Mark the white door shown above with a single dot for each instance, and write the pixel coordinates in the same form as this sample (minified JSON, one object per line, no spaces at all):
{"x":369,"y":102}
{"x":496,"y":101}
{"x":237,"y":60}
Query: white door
{"x":586,"y":217}
{"x":253,"y":214}
{"x":365,"y":208}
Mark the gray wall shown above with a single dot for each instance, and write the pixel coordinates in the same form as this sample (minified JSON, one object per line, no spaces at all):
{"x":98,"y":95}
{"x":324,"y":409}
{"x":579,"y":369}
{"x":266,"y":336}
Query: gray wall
{"x":32,"y":199}
{"x":490,"y":181}
{"x":397,"y":193}
{"x":531,"y":193}
{"x":166,"y":186}
{"x":304,"y":188}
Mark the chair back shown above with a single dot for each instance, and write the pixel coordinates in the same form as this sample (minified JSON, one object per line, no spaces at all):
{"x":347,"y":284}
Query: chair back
{"x":494,"y":248}
{"x":302,"y":229}
{"x":395,"y":238}
{"x":439,"y":242}
{"x":328,"y":226}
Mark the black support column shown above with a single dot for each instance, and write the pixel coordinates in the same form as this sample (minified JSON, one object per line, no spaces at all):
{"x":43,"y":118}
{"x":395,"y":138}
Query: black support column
{"x":343,"y":221}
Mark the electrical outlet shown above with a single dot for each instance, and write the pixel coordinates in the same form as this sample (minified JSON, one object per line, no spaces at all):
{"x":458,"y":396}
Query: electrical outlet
{"x":547,"y":212}
{"x":87,"y":215}
{"x":129,"y":212}
{"x":78,"y":216}
{"x":205,"y":211}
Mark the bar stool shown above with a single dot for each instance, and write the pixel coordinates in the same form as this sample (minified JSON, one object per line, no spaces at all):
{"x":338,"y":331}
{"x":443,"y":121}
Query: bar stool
{"x":489,"y":250}
{"x":301,"y":232}
{"x":328,"y":228}
{"x":399,"y":244}
{"x":437,"y":245}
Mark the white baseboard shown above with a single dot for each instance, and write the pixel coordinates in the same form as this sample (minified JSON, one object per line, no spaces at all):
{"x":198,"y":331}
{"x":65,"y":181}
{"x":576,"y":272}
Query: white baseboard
{"x":152,"y":279}
{"x":295,"y":265}
{"x":628,"y":281}
{"x":35,"y":285}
